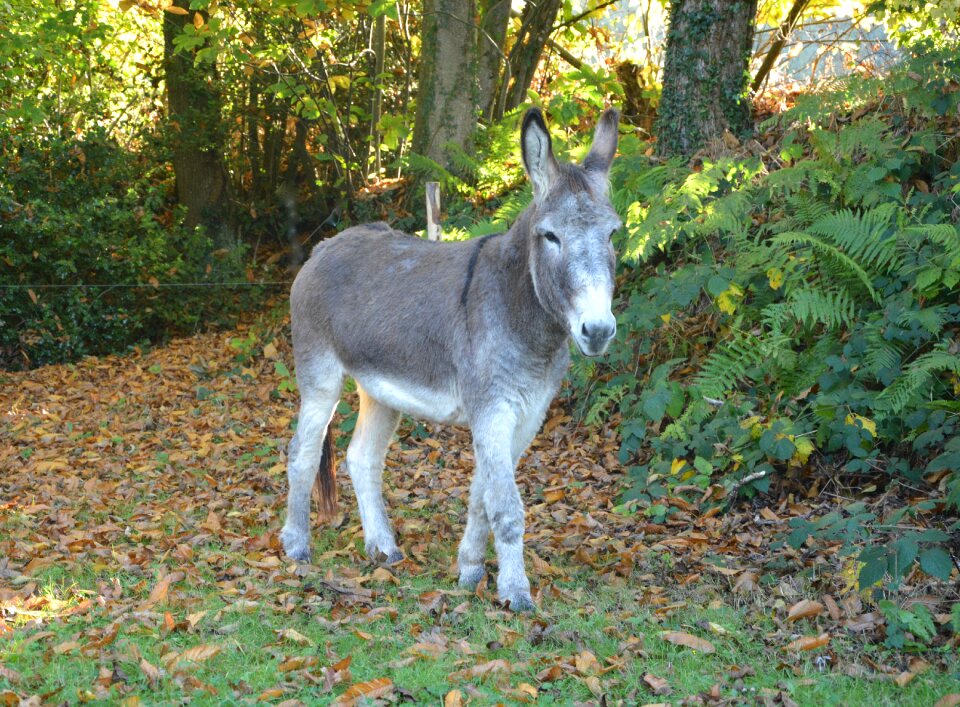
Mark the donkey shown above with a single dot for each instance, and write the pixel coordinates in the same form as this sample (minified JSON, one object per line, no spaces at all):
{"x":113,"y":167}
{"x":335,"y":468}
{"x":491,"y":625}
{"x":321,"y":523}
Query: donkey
{"x":472,"y":333}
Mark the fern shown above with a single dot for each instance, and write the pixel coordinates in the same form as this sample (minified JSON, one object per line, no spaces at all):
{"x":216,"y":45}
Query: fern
{"x":728,"y":364}
{"x":867,"y":237}
{"x":829,"y":251}
{"x":810,"y":306}
{"x":917,"y":379}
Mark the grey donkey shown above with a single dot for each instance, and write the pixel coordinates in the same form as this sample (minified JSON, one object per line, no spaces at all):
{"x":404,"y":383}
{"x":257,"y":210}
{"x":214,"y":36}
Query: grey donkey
{"x":471,"y":333}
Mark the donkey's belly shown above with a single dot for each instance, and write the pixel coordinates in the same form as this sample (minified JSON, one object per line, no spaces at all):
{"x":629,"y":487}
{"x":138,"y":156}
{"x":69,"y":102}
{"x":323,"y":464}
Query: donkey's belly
{"x":415,"y":400}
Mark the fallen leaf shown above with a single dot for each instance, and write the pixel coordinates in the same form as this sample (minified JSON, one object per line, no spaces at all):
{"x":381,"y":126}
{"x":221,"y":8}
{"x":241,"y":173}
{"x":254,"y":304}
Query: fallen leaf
{"x":293,"y":636}
{"x":198,"y":654}
{"x":151,"y":672}
{"x":804,"y":609}
{"x":951,"y":700}
{"x":659,"y":686}
{"x":681,"y":638}
{"x":808,"y":643}
{"x":364,"y":690}
{"x":159,"y":593}
{"x":454,"y":698}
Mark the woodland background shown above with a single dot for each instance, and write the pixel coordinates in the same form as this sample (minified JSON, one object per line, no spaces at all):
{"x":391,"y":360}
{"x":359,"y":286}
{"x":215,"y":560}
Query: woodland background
{"x":786,"y":363}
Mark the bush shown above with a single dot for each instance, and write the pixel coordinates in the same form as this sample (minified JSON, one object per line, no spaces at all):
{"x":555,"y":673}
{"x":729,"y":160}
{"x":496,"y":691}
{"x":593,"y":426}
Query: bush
{"x":89,"y":239}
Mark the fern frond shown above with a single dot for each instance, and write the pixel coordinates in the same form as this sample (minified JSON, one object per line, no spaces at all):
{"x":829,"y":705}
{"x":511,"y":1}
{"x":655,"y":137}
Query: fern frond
{"x":728,"y":364}
{"x":866,"y":237}
{"x":829,"y":251}
{"x":809,"y":306}
{"x":917,"y":379}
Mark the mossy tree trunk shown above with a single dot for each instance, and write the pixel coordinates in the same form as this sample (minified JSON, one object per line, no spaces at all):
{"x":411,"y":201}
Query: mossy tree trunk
{"x":197,"y":135}
{"x":705,"y":76}
{"x":447,"y":96}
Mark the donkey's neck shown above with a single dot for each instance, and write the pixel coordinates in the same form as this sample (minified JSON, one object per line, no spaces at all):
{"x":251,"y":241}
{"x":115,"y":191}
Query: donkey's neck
{"x":539,"y":330}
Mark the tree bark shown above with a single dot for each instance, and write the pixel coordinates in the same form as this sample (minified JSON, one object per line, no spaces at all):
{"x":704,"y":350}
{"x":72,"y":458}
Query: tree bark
{"x":537,"y":21}
{"x":197,"y":136}
{"x":705,"y":78}
{"x":492,"y":41}
{"x":447,"y":95}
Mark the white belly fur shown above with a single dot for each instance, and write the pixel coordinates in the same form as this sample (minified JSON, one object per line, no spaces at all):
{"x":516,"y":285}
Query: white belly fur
{"x":417,"y":401}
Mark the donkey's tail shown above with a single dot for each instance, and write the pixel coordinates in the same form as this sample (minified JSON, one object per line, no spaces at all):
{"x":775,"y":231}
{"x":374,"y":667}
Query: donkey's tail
{"x":325,"y":484}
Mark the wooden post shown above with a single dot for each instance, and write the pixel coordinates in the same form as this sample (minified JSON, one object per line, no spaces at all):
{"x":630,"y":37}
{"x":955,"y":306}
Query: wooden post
{"x":433,"y":211}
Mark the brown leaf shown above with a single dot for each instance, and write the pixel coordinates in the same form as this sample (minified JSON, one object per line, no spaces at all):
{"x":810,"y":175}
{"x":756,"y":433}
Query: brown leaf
{"x":159,"y":593}
{"x":454,"y":698}
{"x":832,"y":607}
{"x":482,"y":670}
{"x":747,"y":582}
{"x":659,"y":686}
{"x":804,"y":609}
{"x":10,"y":674}
{"x":904,"y":678}
{"x":199,"y":654}
{"x":297,"y":663}
{"x":364,"y":690}
{"x":175,"y":10}
{"x":951,"y":700}
{"x":150,"y":671}
{"x":808,"y":643}
{"x":293,"y":636}
{"x":681,"y":638}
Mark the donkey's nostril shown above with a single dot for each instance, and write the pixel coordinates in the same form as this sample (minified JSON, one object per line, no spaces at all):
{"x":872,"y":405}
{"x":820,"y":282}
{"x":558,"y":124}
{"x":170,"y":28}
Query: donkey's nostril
{"x":585,"y":331}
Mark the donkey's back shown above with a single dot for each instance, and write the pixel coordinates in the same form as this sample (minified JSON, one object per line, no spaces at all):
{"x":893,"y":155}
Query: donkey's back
{"x":378,"y":296}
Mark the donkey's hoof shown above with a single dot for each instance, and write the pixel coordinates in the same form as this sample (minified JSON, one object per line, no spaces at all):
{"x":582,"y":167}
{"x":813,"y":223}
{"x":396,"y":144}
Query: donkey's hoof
{"x":519,"y":602}
{"x":389,"y":558}
{"x":470,"y":576}
{"x":295,"y":546}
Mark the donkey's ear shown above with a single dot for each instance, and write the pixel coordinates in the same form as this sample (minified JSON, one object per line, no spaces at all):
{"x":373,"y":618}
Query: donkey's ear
{"x":537,"y":150}
{"x":604,"y":143}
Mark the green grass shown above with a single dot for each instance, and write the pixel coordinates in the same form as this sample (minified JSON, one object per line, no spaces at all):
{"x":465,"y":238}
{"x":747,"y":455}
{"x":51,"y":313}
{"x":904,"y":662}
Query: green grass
{"x":580,"y":617}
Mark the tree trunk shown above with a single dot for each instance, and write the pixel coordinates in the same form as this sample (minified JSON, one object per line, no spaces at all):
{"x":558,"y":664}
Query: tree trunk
{"x":490,"y":52}
{"x":535,"y":28}
{"x":197,"y":136}
{"x":705,"y":77}
{"x":447,"y":95}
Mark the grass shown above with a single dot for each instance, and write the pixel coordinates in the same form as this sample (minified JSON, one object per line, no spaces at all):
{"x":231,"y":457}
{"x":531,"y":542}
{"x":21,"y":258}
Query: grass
{"x":600,"y":637}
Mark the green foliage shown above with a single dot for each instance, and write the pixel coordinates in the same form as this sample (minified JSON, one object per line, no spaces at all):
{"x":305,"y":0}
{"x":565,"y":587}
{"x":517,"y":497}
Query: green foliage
{"x":812,"y":304}
{"x":85,"y":220}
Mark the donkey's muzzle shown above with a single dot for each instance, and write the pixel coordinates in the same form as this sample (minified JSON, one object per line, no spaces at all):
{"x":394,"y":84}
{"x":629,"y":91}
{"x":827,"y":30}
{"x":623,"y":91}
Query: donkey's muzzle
{"x":594,"y":336}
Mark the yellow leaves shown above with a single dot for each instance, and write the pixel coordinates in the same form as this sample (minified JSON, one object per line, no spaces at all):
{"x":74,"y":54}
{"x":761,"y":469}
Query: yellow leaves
{"x":665,"y":318}
{"x":339,"y":81}
{"x":775,"y":278}
{"x":198,"y":20}
{"x":687,"y":640}
{"x":174,"y":10}
{"x":676,"y":465}
{"x":728,"y":300}
{"x":865,"y":422}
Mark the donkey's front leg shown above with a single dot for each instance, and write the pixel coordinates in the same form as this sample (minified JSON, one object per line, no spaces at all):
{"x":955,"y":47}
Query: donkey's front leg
{"x":492,"y":437}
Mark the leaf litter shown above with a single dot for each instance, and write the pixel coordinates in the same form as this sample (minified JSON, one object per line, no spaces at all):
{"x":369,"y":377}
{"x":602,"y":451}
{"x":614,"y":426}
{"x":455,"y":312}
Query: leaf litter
{"x":167,"y":469}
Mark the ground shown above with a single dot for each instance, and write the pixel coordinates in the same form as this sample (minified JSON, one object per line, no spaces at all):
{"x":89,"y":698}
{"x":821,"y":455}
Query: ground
{"x":140,"y":503}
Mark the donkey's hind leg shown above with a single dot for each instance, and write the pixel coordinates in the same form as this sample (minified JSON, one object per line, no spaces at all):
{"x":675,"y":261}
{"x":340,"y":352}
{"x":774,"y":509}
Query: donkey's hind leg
{"x":318,"y":401}
{"x":376,"y":424}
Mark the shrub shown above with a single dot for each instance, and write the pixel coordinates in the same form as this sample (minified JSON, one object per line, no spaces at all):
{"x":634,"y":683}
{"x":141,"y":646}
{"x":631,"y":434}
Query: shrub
{"x":89,"y":240}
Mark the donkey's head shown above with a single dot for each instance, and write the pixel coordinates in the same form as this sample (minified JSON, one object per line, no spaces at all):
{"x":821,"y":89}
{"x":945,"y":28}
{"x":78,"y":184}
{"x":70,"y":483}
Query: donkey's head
{"x":572,"y":223}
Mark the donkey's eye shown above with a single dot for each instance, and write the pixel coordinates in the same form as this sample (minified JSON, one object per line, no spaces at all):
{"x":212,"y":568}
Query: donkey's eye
{"x":551,"y":236}
{"x":613,"y":233}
